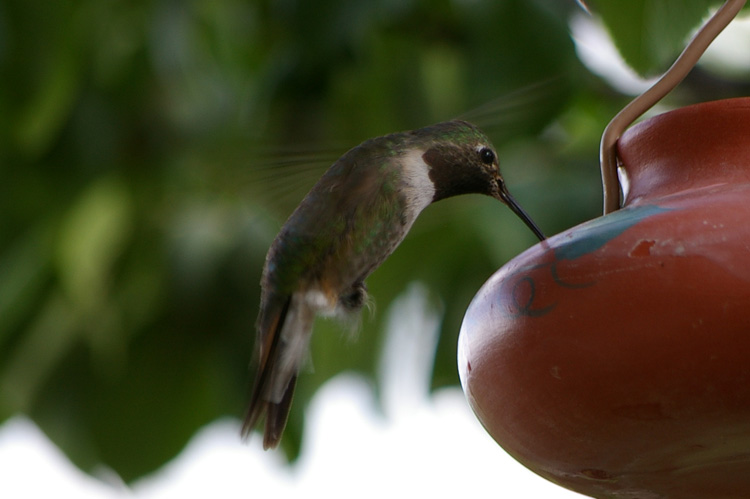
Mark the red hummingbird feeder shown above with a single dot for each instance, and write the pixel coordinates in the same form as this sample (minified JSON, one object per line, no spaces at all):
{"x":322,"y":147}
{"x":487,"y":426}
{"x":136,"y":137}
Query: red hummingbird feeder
{"x":614,"y":358}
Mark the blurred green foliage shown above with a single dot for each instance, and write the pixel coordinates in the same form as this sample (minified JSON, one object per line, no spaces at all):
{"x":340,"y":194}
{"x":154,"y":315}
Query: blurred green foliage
{"x":649,"y":33}
{"x":152,"y":149}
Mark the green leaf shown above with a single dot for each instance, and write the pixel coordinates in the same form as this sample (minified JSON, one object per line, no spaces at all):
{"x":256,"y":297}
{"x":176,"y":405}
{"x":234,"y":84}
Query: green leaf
{"x":24,"y":269}
{"x":92,"y":236}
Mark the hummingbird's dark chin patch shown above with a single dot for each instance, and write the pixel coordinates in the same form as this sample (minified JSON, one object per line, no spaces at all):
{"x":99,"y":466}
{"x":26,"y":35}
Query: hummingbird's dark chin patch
{"x":452,"y":173}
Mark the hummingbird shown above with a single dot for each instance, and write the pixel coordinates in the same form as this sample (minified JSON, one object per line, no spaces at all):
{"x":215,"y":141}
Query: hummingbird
{"x":352,"y":219}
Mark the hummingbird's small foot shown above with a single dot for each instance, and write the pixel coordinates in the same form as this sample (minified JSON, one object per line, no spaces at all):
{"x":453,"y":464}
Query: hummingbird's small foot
{"x":354,"y":299}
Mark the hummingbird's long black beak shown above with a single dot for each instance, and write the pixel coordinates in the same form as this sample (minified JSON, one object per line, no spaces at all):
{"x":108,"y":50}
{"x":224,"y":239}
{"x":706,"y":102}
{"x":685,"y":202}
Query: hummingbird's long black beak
{"x":513,"y":205}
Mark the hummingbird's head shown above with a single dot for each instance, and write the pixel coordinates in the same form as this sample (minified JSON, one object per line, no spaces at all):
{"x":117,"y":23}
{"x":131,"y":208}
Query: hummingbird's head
{"x":462,"y":160}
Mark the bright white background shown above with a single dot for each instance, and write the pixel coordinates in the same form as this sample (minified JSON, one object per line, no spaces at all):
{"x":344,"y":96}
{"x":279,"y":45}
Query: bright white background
{"x":439,"y":450}
{"x":416,"y":445}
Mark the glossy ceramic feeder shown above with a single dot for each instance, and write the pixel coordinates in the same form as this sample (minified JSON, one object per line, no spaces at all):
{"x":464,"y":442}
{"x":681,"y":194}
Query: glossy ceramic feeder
{"x":614,"y":358}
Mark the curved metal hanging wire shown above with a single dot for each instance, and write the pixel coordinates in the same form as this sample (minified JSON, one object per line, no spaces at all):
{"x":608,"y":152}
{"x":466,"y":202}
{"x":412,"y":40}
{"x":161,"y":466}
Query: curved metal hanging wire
{"x":674,"y":75}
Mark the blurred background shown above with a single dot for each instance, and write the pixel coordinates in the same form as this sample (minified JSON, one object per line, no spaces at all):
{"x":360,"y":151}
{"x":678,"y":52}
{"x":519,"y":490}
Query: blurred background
{"x":152,"y":150}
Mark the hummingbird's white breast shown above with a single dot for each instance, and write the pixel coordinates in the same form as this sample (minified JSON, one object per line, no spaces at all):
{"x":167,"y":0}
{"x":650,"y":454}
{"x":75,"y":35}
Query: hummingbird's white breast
{"x":417,"y":186}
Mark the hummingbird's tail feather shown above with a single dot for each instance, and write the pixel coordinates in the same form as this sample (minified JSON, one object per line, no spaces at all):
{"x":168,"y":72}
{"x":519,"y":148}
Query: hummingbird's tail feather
{"x":266,"y":345}
{"x":277,"y":415}
{"x":284,"y":328}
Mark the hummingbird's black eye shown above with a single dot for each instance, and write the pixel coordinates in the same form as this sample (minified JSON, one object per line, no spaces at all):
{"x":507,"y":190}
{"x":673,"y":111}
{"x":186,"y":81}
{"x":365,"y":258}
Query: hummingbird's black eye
{"x":487,"y":156}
